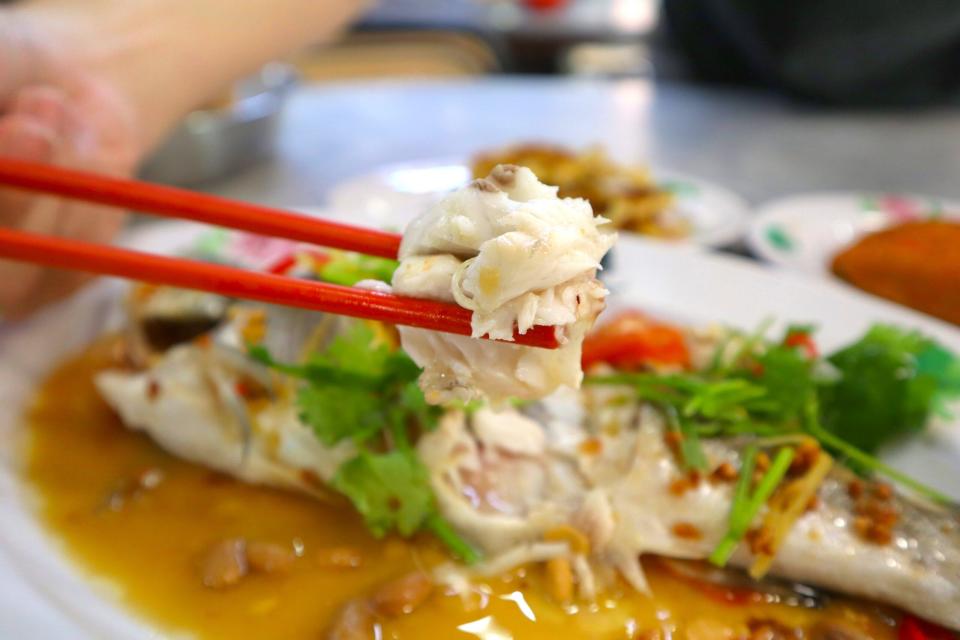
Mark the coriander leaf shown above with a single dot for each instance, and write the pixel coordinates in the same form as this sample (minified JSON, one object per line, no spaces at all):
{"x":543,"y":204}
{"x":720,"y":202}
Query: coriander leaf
{"x":363,"y":390}
{"x":350,"y":268}
{"x":314,"y":372}
{"x":896,"y":339}
{"x":356,"y":350}
{"x":786,"y":376}
{"x":414,"y":404}
{"x":390,"y":490}
{"x":337,"y":413}
{"x":881,"y":393}
{"x":944,"y":367}
{"x":400,"y":368}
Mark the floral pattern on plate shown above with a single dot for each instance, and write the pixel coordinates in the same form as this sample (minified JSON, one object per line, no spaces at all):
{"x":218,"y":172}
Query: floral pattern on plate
{"x":804,"y":232}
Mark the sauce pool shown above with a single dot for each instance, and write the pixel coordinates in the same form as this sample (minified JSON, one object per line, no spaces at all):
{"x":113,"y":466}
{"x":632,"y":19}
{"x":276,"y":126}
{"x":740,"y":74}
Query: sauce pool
{"x":130,"y":513}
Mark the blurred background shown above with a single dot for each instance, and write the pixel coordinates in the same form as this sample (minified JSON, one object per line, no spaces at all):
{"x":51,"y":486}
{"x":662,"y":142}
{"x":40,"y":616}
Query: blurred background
{"x":787,"y":132}
{"x":765,"y":98}
{"x":424,"y":39}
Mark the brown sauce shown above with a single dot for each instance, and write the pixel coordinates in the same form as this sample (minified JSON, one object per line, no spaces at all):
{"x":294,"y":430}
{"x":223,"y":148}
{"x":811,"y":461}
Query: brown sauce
{"x":132,"y":514}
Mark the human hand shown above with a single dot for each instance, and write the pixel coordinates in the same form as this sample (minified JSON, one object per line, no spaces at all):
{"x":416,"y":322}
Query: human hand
{"x":54,"y":111}
{"x":96,"y":84}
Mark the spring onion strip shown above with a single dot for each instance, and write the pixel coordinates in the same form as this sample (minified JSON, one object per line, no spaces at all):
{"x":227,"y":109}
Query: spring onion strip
{"x":741,"y":495}
{"x":445,"y":533}
{"x":865,"y":460}
{"x":744,"y":510}
{"x":787,"y":507}
{"x":692,"y":457}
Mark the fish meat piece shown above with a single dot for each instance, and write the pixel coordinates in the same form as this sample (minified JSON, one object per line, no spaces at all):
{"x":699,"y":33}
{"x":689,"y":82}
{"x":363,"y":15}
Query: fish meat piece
{"x":507,"y":248}
{"x":188,"y":399}
{"x":617,"y":493}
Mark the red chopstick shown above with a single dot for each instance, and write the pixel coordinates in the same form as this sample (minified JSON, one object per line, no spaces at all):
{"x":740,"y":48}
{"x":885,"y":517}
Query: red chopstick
{"x":189,"y":205}
{"x":178,"y":203}
{"x":250,"y":285}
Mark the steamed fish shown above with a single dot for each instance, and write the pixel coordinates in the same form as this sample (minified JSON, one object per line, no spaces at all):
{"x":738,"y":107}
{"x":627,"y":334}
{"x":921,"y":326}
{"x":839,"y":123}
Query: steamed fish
{"x":507,"y":248}
{"x":584,"y":476}
{"x":507,"y":480}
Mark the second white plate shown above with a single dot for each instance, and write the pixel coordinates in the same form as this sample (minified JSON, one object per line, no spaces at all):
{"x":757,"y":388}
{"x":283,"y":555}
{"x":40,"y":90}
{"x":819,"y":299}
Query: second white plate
{"x":804,"y":232}
{"x":393,"y":194}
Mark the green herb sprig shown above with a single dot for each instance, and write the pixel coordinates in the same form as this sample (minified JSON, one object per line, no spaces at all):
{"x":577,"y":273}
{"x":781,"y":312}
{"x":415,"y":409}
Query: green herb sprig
{"x":885,"y":385}
{"x":746,"y":506}
{"x":366,"y":392}
{"x":349,"y":268}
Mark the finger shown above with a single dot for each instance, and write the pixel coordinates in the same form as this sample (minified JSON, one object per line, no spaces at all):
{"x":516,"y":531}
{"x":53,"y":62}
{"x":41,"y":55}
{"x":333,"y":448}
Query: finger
{"x":22,"y":138}
{"x":44,"y":105}
{"x":102,"y":127}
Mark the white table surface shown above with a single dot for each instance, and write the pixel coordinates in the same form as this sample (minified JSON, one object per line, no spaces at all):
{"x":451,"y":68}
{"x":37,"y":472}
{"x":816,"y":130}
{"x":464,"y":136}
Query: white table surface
{"x":756,"y":144}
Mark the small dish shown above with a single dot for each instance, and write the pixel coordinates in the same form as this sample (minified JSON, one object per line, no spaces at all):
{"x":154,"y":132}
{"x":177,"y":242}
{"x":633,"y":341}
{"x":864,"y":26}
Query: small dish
{"x":804,"y":232}
{"x":393,"y":194}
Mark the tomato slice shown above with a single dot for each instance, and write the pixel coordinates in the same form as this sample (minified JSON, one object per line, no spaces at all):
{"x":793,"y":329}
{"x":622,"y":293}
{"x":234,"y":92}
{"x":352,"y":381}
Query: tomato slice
{"x":632,"y":340}
{"x":802,"y":340}
{"x":283,"y":266}
{"x":913,"y":628}
{"x":544,"y":5}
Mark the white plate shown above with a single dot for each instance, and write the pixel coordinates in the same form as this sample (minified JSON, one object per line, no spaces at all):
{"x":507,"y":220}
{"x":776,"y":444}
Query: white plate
{"x":393,"y":194}
{"x":804,"y":232}
{"x":44,"y":597}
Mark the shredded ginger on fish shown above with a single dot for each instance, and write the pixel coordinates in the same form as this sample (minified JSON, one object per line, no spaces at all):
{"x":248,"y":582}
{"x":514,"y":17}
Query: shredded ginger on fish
{"x":514,"y":253}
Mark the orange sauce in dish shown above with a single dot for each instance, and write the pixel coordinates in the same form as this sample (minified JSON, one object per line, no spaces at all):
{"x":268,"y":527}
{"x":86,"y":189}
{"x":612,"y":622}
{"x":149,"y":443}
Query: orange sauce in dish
{"x":130,"y":513}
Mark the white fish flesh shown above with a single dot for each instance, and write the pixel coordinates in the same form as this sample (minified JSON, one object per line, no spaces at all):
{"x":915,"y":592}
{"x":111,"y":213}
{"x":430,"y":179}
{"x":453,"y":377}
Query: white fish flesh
{"x":507,"y":248}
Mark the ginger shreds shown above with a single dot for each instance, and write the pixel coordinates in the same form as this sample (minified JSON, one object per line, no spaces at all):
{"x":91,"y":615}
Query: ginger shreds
{"x":560,"y":579}
{"x":579,"y":543}
{"x":785,"y":508}
{"x":254,"y":328}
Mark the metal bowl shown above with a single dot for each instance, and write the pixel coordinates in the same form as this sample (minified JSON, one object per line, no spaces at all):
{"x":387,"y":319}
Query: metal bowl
{"x":212,"y":144}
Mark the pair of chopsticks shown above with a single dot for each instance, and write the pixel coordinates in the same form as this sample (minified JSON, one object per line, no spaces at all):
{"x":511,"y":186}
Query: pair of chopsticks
{"x":74,"y":255}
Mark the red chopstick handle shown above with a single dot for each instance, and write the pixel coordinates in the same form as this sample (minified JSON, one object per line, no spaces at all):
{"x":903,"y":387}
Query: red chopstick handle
{"x":250,"y":285}
{"x":190,"y":205}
